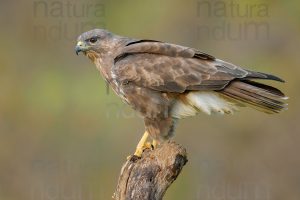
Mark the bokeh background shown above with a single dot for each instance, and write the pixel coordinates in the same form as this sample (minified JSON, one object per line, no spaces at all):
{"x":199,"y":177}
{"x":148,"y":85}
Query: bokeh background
{"x":64,"y":135}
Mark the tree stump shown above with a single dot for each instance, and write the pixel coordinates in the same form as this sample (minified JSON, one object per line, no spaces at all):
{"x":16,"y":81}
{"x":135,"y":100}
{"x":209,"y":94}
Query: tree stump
{"x":149,"y":177}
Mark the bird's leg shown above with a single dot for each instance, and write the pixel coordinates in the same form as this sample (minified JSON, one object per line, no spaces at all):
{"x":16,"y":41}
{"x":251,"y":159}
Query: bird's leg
{"x":142,"y":145}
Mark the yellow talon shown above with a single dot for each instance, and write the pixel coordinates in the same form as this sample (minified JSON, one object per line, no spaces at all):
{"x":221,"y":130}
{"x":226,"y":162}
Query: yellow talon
{"x":138,"y":152}
{"x":148,"y":145}
{"x":154,"y":144}
{"x":142,"y":145}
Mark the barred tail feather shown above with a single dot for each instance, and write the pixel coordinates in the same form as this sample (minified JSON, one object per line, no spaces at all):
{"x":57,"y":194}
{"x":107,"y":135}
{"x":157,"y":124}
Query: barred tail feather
{"x":260,"y":96}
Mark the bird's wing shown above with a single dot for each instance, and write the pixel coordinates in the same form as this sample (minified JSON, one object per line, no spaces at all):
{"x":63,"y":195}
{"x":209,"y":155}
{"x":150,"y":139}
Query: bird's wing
{"x":173,"y":68}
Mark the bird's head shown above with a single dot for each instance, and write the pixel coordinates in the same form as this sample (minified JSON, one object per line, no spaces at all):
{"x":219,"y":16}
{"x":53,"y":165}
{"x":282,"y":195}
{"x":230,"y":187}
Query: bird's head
{"x":94,"y":43}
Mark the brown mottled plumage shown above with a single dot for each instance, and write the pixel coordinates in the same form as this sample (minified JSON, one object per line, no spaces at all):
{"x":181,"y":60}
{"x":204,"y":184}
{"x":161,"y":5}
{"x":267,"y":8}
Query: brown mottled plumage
{"x":165,"y":82}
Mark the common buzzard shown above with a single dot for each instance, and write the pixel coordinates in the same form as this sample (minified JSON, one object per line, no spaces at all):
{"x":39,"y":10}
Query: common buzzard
{"x":166,"y":82}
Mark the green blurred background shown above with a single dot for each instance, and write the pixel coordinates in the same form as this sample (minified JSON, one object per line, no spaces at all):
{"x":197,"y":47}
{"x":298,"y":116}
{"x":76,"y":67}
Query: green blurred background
{"x":64,"y":136}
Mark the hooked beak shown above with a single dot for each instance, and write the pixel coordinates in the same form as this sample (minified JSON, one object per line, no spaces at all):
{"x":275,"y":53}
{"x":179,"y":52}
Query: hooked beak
{"x":81,"y":47}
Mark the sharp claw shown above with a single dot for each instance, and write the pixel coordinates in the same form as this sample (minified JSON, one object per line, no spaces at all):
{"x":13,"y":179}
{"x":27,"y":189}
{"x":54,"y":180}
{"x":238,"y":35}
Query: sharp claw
{"x":154,"y":144}
{"x":138,"y":153}
{"x":148,"y":145}
{"x":133,"y":158}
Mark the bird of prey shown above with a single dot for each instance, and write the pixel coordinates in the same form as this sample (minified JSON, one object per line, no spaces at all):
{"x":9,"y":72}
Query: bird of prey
{"x":166,"y":82}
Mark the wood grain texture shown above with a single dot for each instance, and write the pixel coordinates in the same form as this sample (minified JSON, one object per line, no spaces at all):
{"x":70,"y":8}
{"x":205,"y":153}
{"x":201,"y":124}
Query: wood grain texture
{"x":149,"y":177}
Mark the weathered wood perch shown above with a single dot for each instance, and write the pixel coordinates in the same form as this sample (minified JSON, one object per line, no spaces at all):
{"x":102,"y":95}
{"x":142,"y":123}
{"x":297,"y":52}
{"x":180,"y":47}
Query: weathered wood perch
{"x":149,"y":177}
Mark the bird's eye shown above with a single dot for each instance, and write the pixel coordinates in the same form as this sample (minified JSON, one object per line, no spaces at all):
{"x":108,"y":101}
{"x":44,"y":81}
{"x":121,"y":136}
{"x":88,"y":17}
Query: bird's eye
{"x":93,"y":40}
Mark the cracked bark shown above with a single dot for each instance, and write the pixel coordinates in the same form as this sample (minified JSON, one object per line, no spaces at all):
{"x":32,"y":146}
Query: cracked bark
{"x":149,"y":177}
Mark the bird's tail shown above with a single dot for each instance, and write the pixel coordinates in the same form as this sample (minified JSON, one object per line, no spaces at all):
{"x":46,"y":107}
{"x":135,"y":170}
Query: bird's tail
{"x":259,"y":96}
